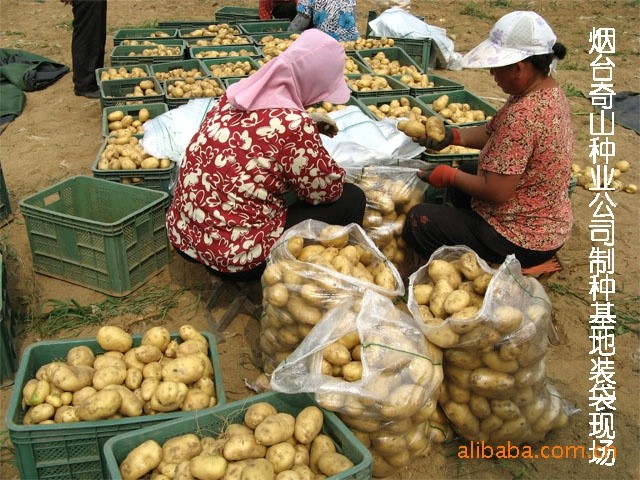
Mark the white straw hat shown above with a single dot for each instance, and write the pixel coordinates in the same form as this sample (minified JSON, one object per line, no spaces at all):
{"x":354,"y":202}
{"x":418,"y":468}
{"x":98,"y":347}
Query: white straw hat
{"x":514,"y":37}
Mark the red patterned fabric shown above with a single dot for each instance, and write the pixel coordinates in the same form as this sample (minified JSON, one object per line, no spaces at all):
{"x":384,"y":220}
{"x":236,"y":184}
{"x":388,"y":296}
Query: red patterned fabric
{"x":228,"y":208}
{"x":531,"y":136}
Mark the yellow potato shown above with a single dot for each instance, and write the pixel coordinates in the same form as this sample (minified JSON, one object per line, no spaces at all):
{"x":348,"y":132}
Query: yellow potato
{"x":141,"y":460}
{"x":112,"y":337}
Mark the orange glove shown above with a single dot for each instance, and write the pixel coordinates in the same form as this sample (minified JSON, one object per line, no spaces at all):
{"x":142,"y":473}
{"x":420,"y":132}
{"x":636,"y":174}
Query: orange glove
{"x":439,"y":176}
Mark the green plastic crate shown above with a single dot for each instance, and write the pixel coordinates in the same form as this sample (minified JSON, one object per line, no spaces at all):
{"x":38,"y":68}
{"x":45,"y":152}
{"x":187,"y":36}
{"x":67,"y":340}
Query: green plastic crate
{"x":459,"y":96}
{"x":188,"y":33}
{"x":236,"y":14}
{"x":128,"y":68}
{"x":133,"y":54}
{"x":98,"y":234}
{"x":377,"y":101}
{"x":391,"y":53}
{"x":118,"y":92}
{"x":440,"y":84}
{"x":225,"y":51}
{"x":397,"y":88}
{"x":143,"y":34}
{"x":8,"y":334}
{"x":75,"y":450}
{"x":5,"y":204}
{"x":155,"y":110}
{"x":258,"y":38}
{"x":265,"y":27}
{"x":208,"y":62}
{"x":187,"y":65}
{"x":362,"y":67}
{"x":180,"y":24}
{"x":213,"y":422}
{"x":176,"y":102}
{"x":154,"y":179}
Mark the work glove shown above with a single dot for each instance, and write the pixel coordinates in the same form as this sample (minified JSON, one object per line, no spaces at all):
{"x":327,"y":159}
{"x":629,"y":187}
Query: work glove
{"x":325,"y":124}
{"x":449,"y":138}
{"x":440,"y":176}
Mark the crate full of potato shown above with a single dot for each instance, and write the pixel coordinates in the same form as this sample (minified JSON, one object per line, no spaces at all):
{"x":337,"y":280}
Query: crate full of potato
{"x":459,"y":107}
{"x":494,"y":328}
{"x":71,"y":396}
{"x":368,"y":361}
{"x":264,"y":437}
{"x":389,"y":61}
{"x":131,"y":91}
{"x":375,"y":85}
{"x":310,"y":269}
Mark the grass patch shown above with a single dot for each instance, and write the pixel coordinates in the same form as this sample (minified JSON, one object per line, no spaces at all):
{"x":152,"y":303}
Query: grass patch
{"x":500,"y":3}
{"x":150,"y":303}
{"x":573,"y":91}
{"x":472,"y":9}
{"x":7,"y":452}
{"x":632,"y":3}
{"x":573,"y":66}
{"x":12,"y":33}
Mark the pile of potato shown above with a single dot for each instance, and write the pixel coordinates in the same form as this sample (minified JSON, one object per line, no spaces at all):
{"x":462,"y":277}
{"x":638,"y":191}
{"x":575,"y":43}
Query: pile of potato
{"x":368,"y":83}
{"x":390,"y":193}
{"x":220,"y":34}
{"x":194,"y":88}
{"x":457,"y":113}
{"x":144,"y":88}
{"x":175,"y":73}
{"x":397,"y":108}
{"x":273,"y":46}
{"x":243,"y":52}
{"x":382,"y":65}
{"x":351,"y":66}
{"x":326,"y":107}
{"x":417,"y":80}
{"x":233,"y":69}
{"x":585,"y":177}
{"x":268,"y":444}
{"x":305,"y":277}
{"x":132,"y":42}
{"x":120,"y":73}
{"x":367,"y":43}
{"x":493,"y":329}
{"x":160,"y":375}
{"x":158,"y":51}
{"x":119,"y":122}
{"x":124,"y":152}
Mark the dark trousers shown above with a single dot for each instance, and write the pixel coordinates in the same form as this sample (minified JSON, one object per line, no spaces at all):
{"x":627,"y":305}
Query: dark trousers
{"x":349,"y":208}
{"x":431,"y":226}
{"x":88,"y":42}
{"x":286,"y":11}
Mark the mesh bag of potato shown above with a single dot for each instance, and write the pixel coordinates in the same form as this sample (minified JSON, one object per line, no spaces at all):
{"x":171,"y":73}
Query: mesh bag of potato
{"x":391,"y":191}
{"x":369,"y":362}
{"x":494,"y":328}
{"x":310,"y":269}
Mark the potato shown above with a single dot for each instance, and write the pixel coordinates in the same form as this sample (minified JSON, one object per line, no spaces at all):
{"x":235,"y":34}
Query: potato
{"x":302,"y":311}
{"x":257,"y":469}
{"x":275,"y":429}
{"x":308,"y":424}
{"x":80,"y":355}
{"x":38,"y":394}
{"x":141,"y":460}
{"x":440,"y":103}
{"x":187,"y":369}
{"x":66,"y":414}
{"x":492,"y":360}
{"x":469,"y":266}
{"x":195,"y":400}
{"x":441,"y":291}
{"x":281,"y":455}
{"x":456,"y":301}
{"x":422,"y":293}
{"x":488,"y":382}
{"x":504,"y":408}
{"x":100,"y":405}
{"x":444,"y":270}
{"x":320,"y":445}
{"x":168,"y":396}
{"x":352,"y":371}
{"x":435,"y":128}
{"x":189,"y":332}
{"x":181,"y":448}
{"x":462,"y":417}
{"x":134,"y":378}
{"x":403,"y":402}
{"x":336,"y":354}
{"x":109,"y":359}
{"x":41,"y":412}
{"x":242,"y":447}
{"x":109,"y":376}
{"x":506,"y":319}
{"x":480,"y":406}
{"x":412,"y":128}
{"x":131,"y":405}
{"x":111,"y":337}
{"x":257,"y":412}
{"x":333,"y":463}
{"x":334,"y":236}
{"x":71,"y":378}
{"x":481,"y":283}
{"x":208,"y":467}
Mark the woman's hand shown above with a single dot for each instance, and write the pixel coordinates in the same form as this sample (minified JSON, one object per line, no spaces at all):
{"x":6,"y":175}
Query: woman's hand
{"x":439,"y":176}
{"x":325,"y":123}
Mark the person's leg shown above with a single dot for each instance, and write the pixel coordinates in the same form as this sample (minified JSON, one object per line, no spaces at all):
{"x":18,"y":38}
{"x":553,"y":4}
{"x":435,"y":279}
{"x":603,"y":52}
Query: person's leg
{"x":88,"y":43}
{"x":460,"y":199}
{"x":349,"y":208}
{"x":285,"y":11}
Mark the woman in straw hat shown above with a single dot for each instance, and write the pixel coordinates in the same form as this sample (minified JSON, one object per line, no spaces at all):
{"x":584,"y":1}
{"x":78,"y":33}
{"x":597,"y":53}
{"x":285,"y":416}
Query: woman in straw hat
{"x":515,"y":199}
{"x":255,"y":146}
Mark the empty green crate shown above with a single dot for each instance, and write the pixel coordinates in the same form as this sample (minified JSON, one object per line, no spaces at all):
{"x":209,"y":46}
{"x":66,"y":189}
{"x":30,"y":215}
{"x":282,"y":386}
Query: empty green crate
{"x":102,"y":235}
{"x":126,"y":72}
{"x":213,"y":422}
{"x":133,"y":54}
{"x":459,"y":96}
{"x":76,"y":450}
{"x":397,"y":87}
{"x":5,"y":204}
{"x":154,"y":109}
{"x":265,"y":27}
{"x":120,"y":92}
{"x":226,"y":51}
{"x":174,"y":102}
{"x":236,"y":14}
{"x":391,"y":53}
{"x":186,"y":65}
{"x":212,"y":62}
{"x":153,"y":178}
{"x":151,"y":34}
{"x":440,"y":84}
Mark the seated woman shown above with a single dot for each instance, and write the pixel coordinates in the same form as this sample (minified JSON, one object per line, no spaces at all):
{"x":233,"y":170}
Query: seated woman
{"x":257,"y":145}
{"x":515,"y":200}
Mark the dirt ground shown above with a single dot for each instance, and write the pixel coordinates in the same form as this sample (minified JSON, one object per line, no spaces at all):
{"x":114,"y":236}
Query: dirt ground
{"x":58,"y":136}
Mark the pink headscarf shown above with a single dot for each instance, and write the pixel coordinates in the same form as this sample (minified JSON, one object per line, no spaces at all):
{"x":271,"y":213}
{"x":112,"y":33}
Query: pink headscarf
{"x":309,"y":71}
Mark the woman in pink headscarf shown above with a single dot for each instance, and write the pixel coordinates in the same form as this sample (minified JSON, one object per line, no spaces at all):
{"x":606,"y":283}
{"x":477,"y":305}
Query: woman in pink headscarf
{"x":255,"y":146}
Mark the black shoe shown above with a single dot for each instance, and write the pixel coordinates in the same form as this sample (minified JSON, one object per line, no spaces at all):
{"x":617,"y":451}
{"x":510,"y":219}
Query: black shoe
{"x":89,"y":94}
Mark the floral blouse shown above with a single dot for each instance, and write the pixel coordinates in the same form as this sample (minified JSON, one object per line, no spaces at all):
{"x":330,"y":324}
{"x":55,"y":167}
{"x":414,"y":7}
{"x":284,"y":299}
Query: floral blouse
{"x":531,"y":136}
{"x":334,"y":17}
{"x":228,"y":208}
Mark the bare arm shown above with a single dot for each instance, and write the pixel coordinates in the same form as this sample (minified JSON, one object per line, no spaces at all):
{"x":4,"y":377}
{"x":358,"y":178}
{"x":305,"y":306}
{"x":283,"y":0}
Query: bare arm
{"x":473,"y":137}
{"x":487,"y":186}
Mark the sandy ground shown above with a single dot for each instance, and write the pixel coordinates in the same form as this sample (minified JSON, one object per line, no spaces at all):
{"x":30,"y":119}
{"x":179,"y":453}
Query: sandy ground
{"x":58,"y":136}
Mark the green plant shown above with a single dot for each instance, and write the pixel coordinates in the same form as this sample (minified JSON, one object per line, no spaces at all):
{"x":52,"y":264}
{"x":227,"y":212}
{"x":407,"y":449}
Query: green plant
{"x":572,"y":91}
{"x":500,"y":3}
{"x":9,"y":33}
{"x":472,"y":9}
